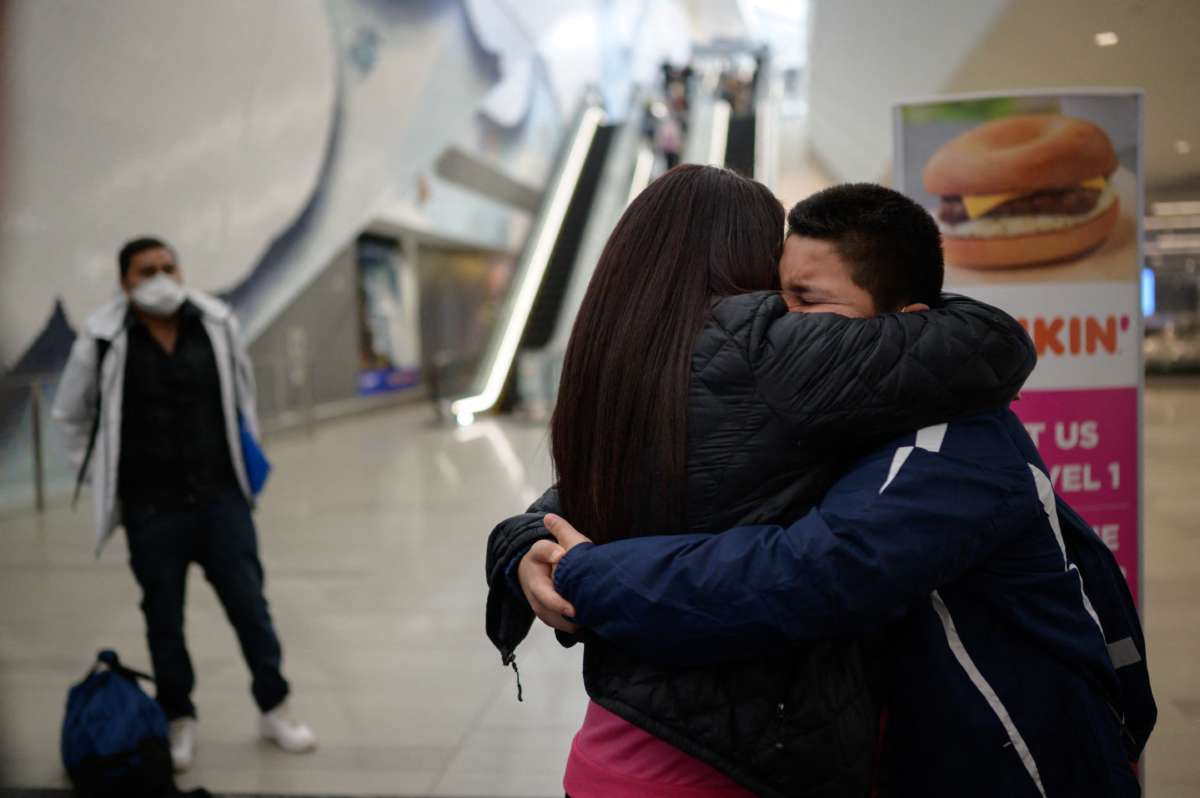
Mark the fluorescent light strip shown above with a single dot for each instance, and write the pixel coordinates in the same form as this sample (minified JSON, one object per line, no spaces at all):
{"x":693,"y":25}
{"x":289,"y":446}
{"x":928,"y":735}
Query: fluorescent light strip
{"x":1173,"y":222}
{"x":1172,"y":242}
{"x":763,"y":144}
{"x":643,"y":167}
{"x":766,"y":143}
{"x":720,"y":133}
{"x":1176,"y":208}
{"x":531,"y":279}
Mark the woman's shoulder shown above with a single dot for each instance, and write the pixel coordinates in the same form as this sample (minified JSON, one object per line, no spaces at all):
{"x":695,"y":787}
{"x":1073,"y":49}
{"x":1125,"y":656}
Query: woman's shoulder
{"x":725,"y":338}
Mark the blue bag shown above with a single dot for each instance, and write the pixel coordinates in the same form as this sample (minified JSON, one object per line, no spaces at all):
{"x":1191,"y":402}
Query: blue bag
{"x":258,"y":468}
{"x":114,"y":736}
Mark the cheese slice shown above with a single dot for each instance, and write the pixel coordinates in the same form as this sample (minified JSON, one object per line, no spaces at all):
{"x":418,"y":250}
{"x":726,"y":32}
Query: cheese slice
{"x":979,"y":204}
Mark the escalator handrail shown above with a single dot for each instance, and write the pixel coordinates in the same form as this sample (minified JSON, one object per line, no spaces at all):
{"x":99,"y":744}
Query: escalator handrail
{"x":767,"y":128}
{"x":708,"y":124}
{"x":718,"y":142}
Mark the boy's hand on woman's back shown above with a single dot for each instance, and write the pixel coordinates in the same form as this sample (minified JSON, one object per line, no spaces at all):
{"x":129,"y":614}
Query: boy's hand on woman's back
{"x":536,"y":576}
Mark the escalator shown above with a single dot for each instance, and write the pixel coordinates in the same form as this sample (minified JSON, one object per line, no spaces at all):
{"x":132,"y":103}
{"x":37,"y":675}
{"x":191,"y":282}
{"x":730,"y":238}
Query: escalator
{"x":746,"y":142}
{"x":601,"y":167}
{"x":548,"y":280}
{"x":739,"y":144}
{"x":752,"y":143}
{"x":626,"y":171}
{"x":540,"y":327}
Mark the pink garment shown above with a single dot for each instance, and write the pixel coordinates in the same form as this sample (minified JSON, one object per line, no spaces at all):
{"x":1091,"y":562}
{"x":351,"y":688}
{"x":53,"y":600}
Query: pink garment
{"x":612,"y":758}
{"x":668,"y":136}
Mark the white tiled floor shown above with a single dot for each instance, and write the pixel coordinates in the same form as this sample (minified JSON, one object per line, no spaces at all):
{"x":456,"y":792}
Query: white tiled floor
{"x":372,"y":534}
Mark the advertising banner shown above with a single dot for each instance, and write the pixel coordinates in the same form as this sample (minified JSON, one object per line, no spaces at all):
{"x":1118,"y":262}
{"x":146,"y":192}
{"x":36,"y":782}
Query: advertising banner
{"x":1039,"y":199}
{"x":389,"y":324}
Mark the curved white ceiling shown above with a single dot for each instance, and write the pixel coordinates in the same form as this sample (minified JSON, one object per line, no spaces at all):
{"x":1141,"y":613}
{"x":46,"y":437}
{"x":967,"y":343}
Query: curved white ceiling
{"x":204,"y":123}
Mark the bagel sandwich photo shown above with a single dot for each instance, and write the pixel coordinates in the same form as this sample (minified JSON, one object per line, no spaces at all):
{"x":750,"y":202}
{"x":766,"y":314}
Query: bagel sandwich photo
{"x":1024,"y":190}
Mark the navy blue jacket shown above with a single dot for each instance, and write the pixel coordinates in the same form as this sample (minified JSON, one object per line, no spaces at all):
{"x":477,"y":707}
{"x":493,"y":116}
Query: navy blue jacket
{"x":950,"y":540}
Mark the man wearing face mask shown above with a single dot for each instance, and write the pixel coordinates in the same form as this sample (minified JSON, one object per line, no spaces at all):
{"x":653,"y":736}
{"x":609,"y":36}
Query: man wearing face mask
{"x":150,"y":403}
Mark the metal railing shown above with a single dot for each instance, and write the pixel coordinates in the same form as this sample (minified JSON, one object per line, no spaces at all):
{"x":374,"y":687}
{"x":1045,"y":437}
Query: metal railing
{"x":30,"y":465}
{"x":35,"y":468}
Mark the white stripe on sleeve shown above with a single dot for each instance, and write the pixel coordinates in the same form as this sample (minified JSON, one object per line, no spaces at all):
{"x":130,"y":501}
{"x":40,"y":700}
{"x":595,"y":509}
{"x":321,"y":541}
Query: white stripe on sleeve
{"x":928,"y":438}
{"x":985,"y":689}
{"x":1045,"y":490}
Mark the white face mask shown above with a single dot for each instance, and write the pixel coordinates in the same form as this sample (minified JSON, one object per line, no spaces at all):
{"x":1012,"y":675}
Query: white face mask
{"x":159,"y":296}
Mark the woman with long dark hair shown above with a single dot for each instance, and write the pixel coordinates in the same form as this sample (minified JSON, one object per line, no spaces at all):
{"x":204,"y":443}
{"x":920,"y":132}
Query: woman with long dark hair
{"x":691,"y":400}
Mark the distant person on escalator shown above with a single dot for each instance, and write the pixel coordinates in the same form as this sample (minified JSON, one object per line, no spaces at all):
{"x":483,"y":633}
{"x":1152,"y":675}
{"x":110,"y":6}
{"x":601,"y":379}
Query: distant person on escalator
{"x":151,"y":403}
{"x":668,"y":139}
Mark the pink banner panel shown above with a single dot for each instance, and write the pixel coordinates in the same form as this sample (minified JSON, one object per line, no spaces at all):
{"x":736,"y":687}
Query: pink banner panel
{"x":1088,"y":438}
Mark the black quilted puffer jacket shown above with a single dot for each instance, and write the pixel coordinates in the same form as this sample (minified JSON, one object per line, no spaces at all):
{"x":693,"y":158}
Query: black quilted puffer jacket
{"x":778,"y":404}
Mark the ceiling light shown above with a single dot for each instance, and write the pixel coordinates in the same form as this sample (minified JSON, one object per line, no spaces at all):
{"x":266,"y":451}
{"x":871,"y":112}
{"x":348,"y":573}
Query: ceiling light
{"x":1171,"y":222}
{"x":1177,"y":243}
{"x":1106,"y":39}
{"x":1183,"y":147}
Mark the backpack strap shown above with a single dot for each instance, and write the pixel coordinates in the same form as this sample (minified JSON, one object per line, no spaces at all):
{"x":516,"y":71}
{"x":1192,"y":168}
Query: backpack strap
{"x":102,"y":347}
{"x":109,"y":657}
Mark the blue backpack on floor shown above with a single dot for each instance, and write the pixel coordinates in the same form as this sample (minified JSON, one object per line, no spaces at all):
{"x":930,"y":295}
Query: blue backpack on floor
{"x":114,"y":736}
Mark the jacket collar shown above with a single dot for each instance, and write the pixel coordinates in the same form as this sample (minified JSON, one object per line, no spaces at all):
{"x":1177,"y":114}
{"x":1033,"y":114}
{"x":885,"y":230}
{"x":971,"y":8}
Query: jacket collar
{"x":186,"y":311}
{"x":112,"y":319}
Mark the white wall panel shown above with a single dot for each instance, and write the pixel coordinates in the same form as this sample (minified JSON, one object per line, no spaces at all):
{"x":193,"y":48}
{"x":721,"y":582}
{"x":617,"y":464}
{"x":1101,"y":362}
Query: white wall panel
{"x":408,"y":83}
{"x":201,"y":122}
{"x":866,"y":55}
{"x":261,"y":137}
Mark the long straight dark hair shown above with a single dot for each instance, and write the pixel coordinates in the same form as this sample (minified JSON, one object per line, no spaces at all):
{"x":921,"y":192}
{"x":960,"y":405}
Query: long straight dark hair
{"x":619,"y":430}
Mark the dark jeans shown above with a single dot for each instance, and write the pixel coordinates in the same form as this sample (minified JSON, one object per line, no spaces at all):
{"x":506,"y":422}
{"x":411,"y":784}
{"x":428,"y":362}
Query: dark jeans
{"x":219,"y":536}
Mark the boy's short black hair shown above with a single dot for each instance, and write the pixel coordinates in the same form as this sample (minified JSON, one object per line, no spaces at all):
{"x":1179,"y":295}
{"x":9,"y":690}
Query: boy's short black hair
{"x":131,"y":248}
{"x":892,"y":244}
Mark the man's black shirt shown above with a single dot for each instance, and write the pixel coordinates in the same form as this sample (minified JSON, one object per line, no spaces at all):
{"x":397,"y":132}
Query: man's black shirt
{"x":174,"y":451}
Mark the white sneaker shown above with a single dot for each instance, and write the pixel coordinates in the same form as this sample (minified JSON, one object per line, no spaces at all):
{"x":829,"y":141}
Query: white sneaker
{"x":182,"y":734}
{"x":281,"y":728}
